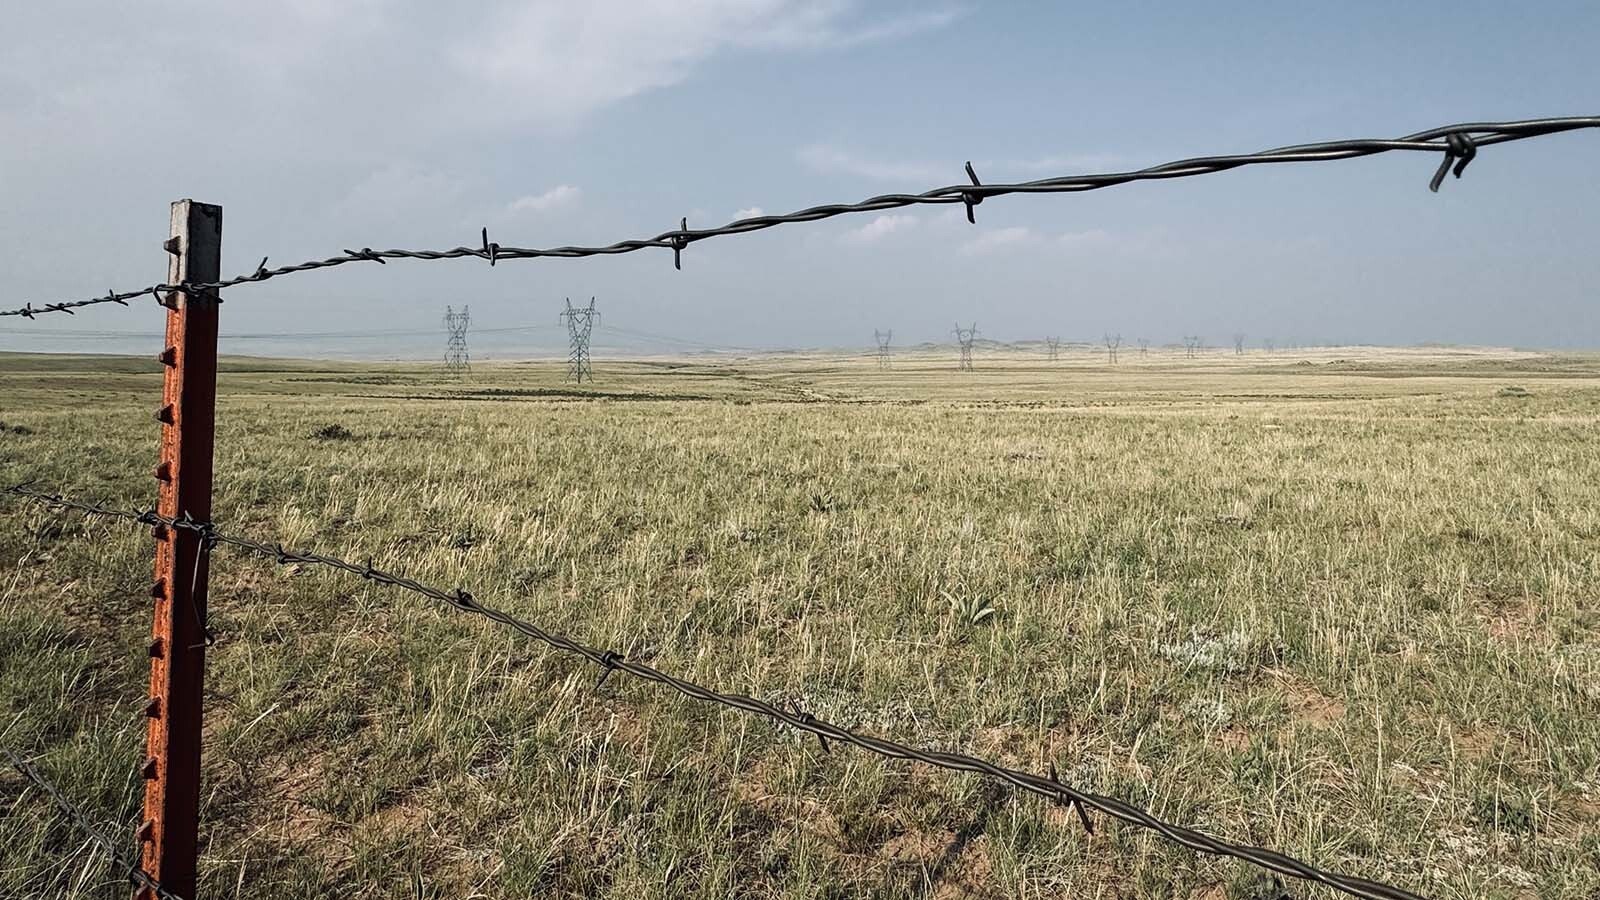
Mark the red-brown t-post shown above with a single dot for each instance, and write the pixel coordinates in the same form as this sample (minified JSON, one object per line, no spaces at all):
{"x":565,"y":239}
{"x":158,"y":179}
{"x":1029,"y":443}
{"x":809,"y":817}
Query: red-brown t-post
{"x":169,"y":833}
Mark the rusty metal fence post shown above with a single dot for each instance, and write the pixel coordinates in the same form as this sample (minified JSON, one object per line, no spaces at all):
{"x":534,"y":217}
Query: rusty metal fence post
{"x":169,"y":833}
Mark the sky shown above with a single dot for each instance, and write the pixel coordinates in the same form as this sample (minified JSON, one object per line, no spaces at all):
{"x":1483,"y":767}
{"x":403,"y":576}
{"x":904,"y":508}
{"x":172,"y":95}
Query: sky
{"x":391,"y":123}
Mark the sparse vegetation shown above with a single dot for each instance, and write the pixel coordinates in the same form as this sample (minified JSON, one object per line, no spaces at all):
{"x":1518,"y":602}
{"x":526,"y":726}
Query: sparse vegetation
{"x":333,"y":432}
{"x":1345,"y":612}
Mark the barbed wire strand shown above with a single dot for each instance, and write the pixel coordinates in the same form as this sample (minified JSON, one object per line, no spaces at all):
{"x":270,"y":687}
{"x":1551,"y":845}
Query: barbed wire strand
{"x":610,"y":661}
{"x":1458,"y":143}
{"x":135,"y":873}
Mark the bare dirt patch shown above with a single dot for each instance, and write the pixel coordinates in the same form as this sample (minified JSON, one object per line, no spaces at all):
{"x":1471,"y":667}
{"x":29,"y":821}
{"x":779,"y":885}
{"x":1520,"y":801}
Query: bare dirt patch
{"x":1307,"y":703}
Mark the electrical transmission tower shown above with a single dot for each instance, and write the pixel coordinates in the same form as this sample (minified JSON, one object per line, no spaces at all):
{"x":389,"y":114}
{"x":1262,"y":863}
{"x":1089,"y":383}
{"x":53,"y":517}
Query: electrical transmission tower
{"x":1144,"y":346}
{"x":455,"y":348}
{"x":1238,"y":343}
{"x":1053,"y":347}
{"x":1113,"y":343}
{"x":965,"y":337}
{"x":1191,"y":345}
{"x":580,"y":322}
{"x":883,"y":338}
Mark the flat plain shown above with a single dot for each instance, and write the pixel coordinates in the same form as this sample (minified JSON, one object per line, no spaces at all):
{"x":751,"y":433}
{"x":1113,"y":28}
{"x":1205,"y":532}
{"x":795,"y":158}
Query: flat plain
{"x":1341,"y":603}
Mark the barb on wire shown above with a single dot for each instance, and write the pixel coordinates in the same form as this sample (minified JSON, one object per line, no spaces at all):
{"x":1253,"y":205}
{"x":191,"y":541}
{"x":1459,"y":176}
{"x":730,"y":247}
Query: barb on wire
{"x":1458,"y":143}
{"x":137,"y":875}
{"x":1049,"y":787}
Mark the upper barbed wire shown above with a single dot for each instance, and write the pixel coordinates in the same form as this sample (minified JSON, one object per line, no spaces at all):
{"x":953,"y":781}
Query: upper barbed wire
{"x":610,"y":661}
{"x":1459,"y":144}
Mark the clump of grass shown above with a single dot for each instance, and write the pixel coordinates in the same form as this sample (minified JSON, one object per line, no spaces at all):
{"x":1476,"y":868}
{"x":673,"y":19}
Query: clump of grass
{"x":333,"y":432}
{"x":14,"y":429}
{"x":1253,"y":884}
{"x":1500,"y":811}
{"x":1514,"y":390}
{"x":970,"y":609}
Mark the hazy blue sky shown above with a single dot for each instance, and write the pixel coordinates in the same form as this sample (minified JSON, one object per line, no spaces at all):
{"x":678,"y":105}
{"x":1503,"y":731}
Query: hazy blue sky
{"x":319,"y":126}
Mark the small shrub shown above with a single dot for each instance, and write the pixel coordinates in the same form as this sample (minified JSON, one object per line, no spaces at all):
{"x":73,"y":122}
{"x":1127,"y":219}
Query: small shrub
{"x":1228,"y":654}
{"x":1514,"y":390}
{"x":334,"y":432}
{"x":969,"y":610}
{"x":14,"y":429}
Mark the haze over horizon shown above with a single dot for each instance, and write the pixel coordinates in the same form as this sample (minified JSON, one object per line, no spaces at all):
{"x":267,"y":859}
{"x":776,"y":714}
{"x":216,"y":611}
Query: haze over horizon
{"x":402,"y":124}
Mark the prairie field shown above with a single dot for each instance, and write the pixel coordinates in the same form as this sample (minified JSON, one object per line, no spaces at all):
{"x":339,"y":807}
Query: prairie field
{"x":1341,"y":603}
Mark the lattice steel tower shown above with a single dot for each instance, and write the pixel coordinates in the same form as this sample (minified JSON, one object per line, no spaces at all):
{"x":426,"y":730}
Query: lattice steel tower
{"x":1053,"y":347}
{"x":965,"y":337}
{"x":580,"y":322}
{"x":455,"y":349}
{"x":883,"y":338}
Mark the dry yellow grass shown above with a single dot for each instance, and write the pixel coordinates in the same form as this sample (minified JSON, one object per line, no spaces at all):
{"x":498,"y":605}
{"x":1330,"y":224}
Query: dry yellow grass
{"x":1342,"y":603}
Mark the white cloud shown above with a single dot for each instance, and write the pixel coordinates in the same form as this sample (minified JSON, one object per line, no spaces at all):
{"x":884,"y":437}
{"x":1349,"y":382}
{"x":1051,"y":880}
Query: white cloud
{"x":749,"y":212}
{"x":557,"y":59}
{"x":407,"y":71}
{"x":1000,"y":238}
{"x":832,"y":160}
{"x":402,"y":190}
{"x":558,"y":196}
{"x":1086,"y":237}
{"x":816,"y":26}
{"x":1069,"y":164}
{"x":879,"y":228}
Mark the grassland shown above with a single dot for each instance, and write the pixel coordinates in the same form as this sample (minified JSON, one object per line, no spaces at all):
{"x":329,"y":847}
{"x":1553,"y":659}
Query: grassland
{"x":1343,"y":604}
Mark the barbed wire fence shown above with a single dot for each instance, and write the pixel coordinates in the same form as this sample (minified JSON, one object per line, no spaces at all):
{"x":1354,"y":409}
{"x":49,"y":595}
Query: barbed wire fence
{"x":610,"y":661}
{"x":1458,"y":144}
{"x":136,"y":875}
{"x":187,"y":538}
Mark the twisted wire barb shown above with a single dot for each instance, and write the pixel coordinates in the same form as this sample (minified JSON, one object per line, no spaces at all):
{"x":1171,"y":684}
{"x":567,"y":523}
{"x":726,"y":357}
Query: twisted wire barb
{"x":1458,"y":143}
{"x":610,"y":661}
{"x":135,"y":874}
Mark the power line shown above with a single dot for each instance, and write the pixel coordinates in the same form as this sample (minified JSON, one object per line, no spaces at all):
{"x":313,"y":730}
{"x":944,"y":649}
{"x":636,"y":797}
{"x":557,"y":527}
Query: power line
{"x":687,"y":342}
{"x":1458,"y":144}
{"x":611,"y":661}
{"x":92,"y":334}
